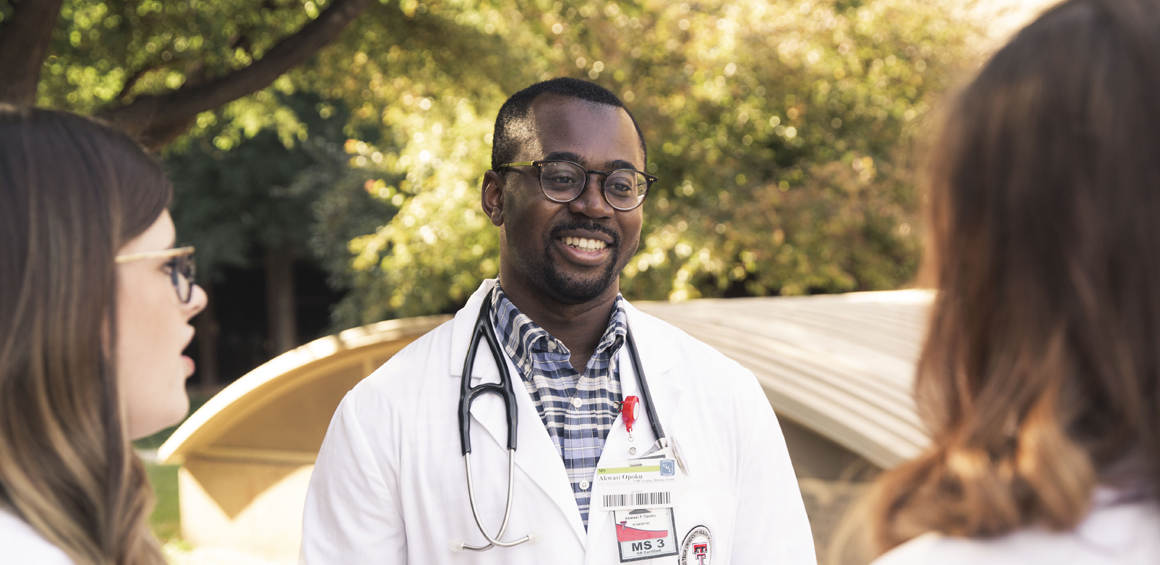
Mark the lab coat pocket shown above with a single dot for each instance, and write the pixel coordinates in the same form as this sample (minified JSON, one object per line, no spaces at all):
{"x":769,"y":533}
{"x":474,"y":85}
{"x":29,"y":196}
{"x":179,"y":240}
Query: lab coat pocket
{"x":705,"y":526}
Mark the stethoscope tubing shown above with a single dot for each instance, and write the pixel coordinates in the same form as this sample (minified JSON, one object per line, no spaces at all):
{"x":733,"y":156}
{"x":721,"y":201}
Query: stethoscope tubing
{"x":484,"y":329}
{"x":504,"y":388}
{"x":649,"y":408}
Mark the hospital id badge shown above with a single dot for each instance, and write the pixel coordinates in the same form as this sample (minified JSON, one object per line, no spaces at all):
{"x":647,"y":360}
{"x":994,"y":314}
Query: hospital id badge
{"x":637,"y":483}
{"x":645,"y":533}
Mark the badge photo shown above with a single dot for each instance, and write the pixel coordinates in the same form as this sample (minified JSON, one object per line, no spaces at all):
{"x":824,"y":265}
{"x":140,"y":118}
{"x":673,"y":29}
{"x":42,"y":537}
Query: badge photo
{"x":697,"y":549}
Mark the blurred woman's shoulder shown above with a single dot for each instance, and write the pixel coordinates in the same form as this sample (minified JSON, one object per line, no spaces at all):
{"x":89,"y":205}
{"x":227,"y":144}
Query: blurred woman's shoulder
{"x":22,"y":545}
{"x":1118,"y":530}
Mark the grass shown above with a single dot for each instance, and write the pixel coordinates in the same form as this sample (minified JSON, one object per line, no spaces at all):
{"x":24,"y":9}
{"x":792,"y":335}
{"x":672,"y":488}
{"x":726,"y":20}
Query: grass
{"x":166,"y":518}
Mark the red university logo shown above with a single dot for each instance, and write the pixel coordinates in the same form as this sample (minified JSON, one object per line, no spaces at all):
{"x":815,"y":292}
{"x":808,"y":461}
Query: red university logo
{"x":700,"y":551}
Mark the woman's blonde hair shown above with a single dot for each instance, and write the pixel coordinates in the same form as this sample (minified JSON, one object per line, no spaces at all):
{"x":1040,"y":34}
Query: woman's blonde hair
{"x":1041,"y":369}
{"x":73,"y":193}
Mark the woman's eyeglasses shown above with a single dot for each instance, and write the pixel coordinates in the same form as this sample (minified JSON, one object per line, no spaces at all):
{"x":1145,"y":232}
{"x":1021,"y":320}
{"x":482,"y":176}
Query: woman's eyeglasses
{"x":180,"y":265}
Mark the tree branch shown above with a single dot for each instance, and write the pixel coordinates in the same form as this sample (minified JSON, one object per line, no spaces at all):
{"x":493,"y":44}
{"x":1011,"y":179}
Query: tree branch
{"x":24,"y":42}
{"x":194,"y":74}
{"x":157,"y":119}
{"x":133,"y":78}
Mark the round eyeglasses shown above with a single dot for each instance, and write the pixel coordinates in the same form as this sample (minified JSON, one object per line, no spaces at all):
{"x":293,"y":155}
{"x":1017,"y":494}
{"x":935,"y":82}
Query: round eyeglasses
{"x":564,"y":181}
{"x":180,"y":265}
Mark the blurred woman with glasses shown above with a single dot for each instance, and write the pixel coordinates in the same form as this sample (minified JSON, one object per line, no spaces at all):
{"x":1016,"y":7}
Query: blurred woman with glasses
{"x":95,"y":307}
{"x":1040,"y":376}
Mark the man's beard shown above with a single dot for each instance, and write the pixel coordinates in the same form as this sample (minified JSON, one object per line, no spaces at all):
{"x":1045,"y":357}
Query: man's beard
{"x":572,"y":290}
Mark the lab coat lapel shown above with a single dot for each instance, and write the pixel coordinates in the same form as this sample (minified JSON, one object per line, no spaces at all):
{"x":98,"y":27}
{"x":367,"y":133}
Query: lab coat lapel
{"x":464,"y":325}
{"x":535,"y":454}
{"x":658,"y":359}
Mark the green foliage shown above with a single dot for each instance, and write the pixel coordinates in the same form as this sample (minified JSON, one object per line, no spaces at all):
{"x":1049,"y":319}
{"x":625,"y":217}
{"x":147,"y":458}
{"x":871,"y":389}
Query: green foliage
{"x":349,"y":206}
{"x":259,"y":193}
{"x":780,"y":131}
{"x":777,"y":125}
{"x":423,"y":92}
{"x":6,"y":10}
{"x":109,"y":51}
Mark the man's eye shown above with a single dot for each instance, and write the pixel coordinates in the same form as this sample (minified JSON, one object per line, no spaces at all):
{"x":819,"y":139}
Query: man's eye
{"x":619,"y":187}
{"x":561,"y":178}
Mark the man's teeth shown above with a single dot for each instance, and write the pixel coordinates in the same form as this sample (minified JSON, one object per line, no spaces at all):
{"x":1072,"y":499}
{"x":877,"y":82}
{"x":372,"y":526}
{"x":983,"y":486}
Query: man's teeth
{"x":585,"y":244}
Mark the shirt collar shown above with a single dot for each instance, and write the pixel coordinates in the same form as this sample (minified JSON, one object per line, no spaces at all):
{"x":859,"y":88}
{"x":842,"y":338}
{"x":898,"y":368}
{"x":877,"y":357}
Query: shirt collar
{"x":526,"y":342}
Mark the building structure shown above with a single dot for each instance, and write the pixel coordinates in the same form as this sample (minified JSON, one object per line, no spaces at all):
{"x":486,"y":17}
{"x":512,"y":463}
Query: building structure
{"x":836,"y":368}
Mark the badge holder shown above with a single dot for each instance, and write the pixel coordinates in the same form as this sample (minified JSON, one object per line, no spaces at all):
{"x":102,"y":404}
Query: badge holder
{"x":645,"y":533}
{"x":640,"y":492}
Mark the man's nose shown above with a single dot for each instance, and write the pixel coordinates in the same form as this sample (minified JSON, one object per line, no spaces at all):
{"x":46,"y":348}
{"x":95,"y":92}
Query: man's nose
{"x":591,"y":201}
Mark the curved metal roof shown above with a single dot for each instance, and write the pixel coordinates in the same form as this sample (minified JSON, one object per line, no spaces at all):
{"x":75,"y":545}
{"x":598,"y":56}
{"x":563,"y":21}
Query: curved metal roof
{"x":841,"y":365}
{"x":280,"y":410}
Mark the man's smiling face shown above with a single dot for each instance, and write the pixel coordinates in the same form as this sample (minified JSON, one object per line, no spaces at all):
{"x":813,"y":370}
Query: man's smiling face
{"x":571,"y":252}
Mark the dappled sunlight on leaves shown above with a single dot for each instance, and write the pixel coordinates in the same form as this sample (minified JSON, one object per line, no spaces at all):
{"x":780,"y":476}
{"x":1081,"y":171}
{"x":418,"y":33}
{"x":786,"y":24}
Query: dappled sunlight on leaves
{"x":781,"y":132}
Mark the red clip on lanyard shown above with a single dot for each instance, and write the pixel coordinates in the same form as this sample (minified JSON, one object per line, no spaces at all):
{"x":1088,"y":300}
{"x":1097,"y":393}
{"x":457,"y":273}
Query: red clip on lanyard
{"x":628,"y":412}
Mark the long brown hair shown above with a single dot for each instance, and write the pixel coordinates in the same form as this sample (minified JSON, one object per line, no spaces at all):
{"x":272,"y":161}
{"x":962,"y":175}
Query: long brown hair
{"x":72,"y":192}
{"x":1041,"y":368}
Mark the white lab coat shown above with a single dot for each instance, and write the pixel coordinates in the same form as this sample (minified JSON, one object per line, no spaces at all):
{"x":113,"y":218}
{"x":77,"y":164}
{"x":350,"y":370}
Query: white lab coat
{"x":389,"y":485}
{"x":1113,"y":533}
{"x":20,"y":544}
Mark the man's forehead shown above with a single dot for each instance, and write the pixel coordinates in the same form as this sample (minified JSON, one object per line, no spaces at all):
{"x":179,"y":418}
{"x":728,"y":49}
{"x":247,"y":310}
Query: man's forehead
{"x":565,"y":125}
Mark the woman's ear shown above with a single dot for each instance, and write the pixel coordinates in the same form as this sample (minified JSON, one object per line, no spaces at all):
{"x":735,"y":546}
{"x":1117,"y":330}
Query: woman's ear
{"x":491,"y":197}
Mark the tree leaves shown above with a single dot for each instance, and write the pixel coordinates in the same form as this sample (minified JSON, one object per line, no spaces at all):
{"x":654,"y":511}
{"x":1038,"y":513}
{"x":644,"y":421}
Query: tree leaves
{"x":780,"y":130}
{"x":150,"y":67}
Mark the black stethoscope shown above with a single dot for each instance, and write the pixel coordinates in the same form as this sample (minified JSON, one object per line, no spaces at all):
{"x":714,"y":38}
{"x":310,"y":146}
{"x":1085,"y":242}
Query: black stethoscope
{"x":504,"y":388}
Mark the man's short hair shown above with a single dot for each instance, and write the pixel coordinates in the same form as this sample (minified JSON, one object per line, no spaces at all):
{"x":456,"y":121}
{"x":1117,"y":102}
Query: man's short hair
{"x":510,"y":129}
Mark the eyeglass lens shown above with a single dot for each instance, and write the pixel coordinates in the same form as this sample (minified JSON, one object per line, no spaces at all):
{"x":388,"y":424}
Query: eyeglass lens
{"x":624,"y":189}
{"x":182,"y":271}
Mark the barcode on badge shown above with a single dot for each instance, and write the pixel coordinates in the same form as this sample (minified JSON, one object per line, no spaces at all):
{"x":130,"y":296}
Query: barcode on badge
{"x":638,"y":499}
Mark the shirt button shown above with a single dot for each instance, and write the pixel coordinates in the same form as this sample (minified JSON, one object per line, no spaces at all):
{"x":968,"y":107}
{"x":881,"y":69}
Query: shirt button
{"x":584,"y":485}
{"x":576,"y":402}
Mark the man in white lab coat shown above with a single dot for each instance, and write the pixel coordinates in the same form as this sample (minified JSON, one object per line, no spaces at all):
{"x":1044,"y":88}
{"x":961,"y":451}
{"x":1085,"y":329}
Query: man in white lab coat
{"x":390,"y":486}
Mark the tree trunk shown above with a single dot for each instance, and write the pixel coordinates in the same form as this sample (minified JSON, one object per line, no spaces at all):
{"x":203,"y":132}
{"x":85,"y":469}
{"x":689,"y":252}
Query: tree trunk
{"x":24,"y":41}
{"x":280,"y":302}
{"x":208,"y":332}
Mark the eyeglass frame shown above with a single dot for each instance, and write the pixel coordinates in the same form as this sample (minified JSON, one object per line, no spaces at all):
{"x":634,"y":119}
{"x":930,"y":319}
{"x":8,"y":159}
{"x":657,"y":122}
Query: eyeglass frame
{"x":174,"y":272}
{"x":649,"y":179}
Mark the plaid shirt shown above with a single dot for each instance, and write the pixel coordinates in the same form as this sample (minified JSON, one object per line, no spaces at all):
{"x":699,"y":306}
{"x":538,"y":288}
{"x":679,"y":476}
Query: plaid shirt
{"x":578,"y":432}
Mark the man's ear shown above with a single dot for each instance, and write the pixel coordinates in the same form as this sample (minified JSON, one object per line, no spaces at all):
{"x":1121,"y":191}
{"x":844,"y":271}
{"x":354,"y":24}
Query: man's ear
{"x":491,"y":197}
